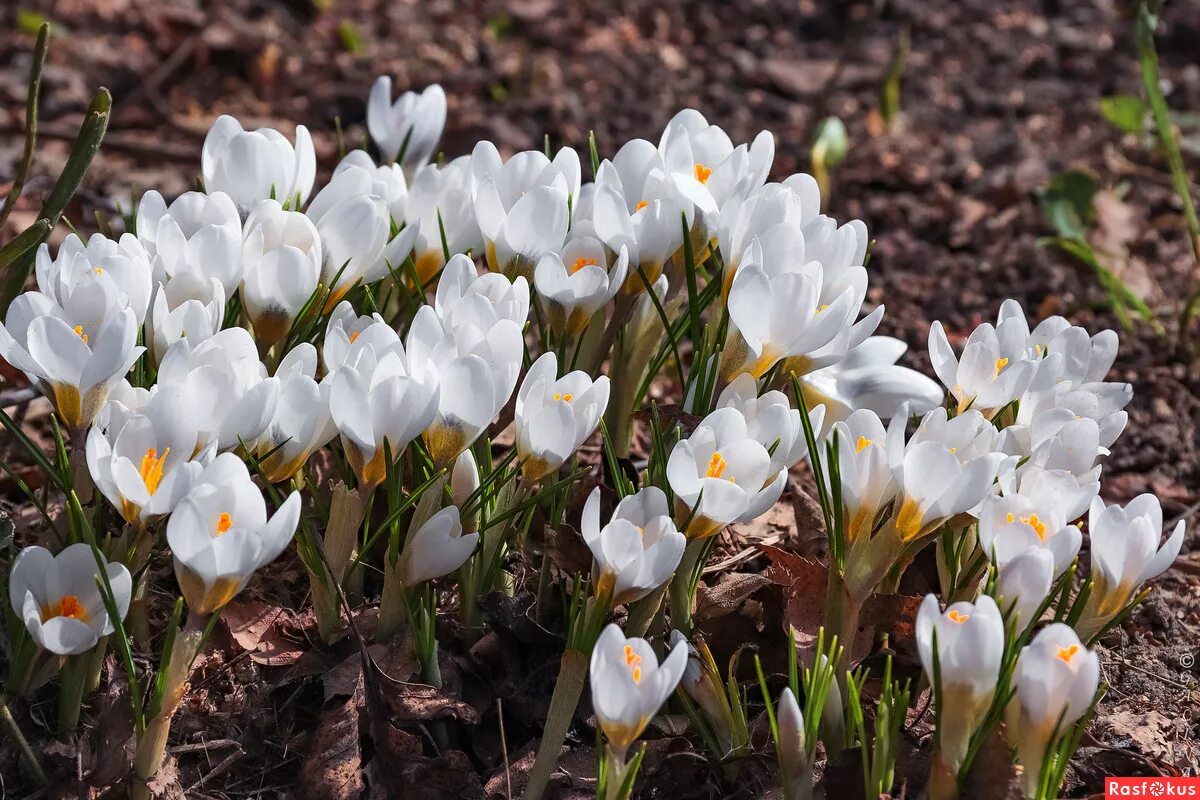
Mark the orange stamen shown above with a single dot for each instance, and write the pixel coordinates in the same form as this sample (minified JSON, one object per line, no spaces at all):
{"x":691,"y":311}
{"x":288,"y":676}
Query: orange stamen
{"x":958,"y":618}
{"x":1065,"y":654}
{"x":224,"y":522}
{"x":716,"y":466}
{"x":702,"y":173}
{"x":581,"y":263}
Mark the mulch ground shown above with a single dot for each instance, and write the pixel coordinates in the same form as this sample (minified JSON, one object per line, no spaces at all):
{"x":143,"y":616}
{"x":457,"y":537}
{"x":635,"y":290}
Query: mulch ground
{"x":996,"y":99}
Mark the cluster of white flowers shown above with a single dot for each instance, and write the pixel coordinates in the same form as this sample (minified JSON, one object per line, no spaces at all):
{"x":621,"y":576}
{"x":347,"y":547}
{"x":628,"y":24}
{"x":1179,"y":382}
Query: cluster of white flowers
{"x":226,"y":326}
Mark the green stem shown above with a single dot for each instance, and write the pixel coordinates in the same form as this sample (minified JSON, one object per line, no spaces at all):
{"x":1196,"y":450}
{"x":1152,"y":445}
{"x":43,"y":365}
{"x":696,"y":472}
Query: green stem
{"x":70,"y":691}
{"x":643,"y":612}
{"x":572,"y":672}
{"x":14,"y":732}
{"x":683,"y":590}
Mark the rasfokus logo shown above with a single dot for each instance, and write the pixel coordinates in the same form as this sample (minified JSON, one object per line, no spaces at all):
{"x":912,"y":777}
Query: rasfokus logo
{"x":1151,"y":787}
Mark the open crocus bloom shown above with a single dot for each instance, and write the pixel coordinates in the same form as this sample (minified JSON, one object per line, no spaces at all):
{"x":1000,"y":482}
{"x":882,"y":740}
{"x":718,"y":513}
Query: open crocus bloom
{"x":970,"y":645}
{"x":220,"y":534}
{"x":648,"y":225}
{"x":1125,"y":554}
{"x":408,"y":128}
{"x":197,"y":232}
{"x":629,"y":685}
{"x":576,"y":285}
{"x":637,"y":551}
{"x":1013,"y":523}
{"x":477,"y":358}
{"x":188,"y":304}
{"x":704,"y":163}
{"x":73,"y":355}
{"x":437,"y":548}
{"x":282,"y":258}
{"x":439,"y":200}
{"x":721,"y":475}
{"x":223,"y":386}
{"x":302,"y":423}
{"x":256,"y":165}
{"x":946,"y":468}
{"x":994,"y":369}
{"x":463,"y":291}
{"x":390,"y":181}
{"x":59,"y":600}
{"x":347,"y":335}
{"x":1056,"y":679}
{"x":355,"y":227}
{"x":145,"y":463}
{"x":121,"y":267}
{"x":771,"y":421}
{"x":377,"y":399}
{"x":866,"y":477}
{"x":555,"y":415}
{"x":752,"y":210}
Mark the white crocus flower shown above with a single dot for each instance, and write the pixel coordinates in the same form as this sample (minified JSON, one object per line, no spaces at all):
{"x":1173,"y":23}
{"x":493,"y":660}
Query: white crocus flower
{"x":250,"y":166}
{"x":577,"y":284}
{"x":439,"y":201}
{"x":704,"y":163}
{"x":189,"y":304}
{"x":970,"y":646}
{"x":792,"y":753}
{"x":752,"y":209}
{"x":994,"y":368}
{"x":59,"y":599}
{"x":637,"y":551}
{"x":477,"y":357}
{"x":223,"y":385}
{"x":390,"y":181}
{"x":118,"y":270}
{"x":1013,"y":523}
{"x":197,"y":232}
{"x":302,"y":423}
{"x":73,"y":355}
{"x":780,"y":316}
{"x":522,"y":205}
{"x":409,"y":127}
{"x":1056,"y":679}
{"x":648,"y":223}
{"x":721,"y":475}
{"x":771,"y":420}
{"x":867,"y":482}
{"x":220,"y":534}
{"x":554,"y":416}
{"x":629,"y":685}
{"x":1023,"y":583}
{"x":869,"y":378}
{"x":945,"y":469}
{"x":282,"y":258}
{"x":355,"y":227}
{"x":437,"y":548}
{"x":1125,"y":554}
{"x":462,"y":291}
{"x":377,"y":398}
{"x":347,"y":335}
{"x":146,"y":462}
{"x":464,"y":478}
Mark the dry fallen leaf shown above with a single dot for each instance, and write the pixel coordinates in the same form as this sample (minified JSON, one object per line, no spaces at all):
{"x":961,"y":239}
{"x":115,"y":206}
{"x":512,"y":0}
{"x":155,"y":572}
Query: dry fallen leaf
{"x":258,"y":628}
{"x":333,"y":768}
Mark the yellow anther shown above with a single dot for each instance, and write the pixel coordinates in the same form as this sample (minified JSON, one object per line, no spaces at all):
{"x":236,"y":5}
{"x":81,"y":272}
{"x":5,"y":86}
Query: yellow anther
{"x":716,"y":466}
{"x":958,"y":618}
{"x":79,"y":332}
{"x":953,"y":450}
{"x":69,"y":606}
{"x":863,"y":443}
{"x":151,"y":469}
{"x":1001,"y":363}
{"x":702,"y":173}
{"x":641,"y":204}
{"x":1038,"y":526}
{"x":98,"y":270}
{"x":581,"y":263}
{"x":1011,"y":517}
{"x":1065,"y":654}
{"x":564,"y":397}
{"x":354,"y":336}
{"x":224,"y":522}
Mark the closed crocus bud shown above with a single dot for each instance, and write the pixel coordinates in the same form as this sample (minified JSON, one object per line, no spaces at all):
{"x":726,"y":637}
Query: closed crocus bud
{"x":1024,"y":583}
{"x":970,"y":645}
{"x":439,"y":202}
{"x":390,"y":182}
{"x":702,"y":682}
{"x":302,"y":423}
{"x":792,"y":754}
{"x":408,"y":128}
{"x":121,"y":268}
{"x":145,"y":463}
{"x":554,"y":416}
{"x":771,"y":420}
{"x":720,"y":475}
{"x":463,"y":292}
{"x":59,"y":600}
{"x":250,"y":166}
{"x":576,"y":284}
{"x":355,"y":227}
{"x":189,"y":305}
{"x":73,"y":355}
{"x":637,"y":551}
{"x":994,"y":368}
{"x":866,"y":477}
{"x":1056,"y":680}
{"x":464,"y":478}
{"x":220,"y":534}
{"x":477,"y":358}
{"x":945,"y":469}
{"x":1125,"y":554}
{"x":629,"y":685}
{"x":438,"y":548}
{"x":282,"y":258}
{"x":373,"y":401}
{"x":223,"y":385}
{"x":197,"y":232}
{"x":751,"y":210}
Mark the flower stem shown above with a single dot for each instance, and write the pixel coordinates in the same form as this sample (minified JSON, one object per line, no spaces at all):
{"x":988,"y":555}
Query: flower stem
{"x":70,"y":691}
{"x":14,"y":732}
{"x":643,"y":612}
{"x":572,"y":672}
{"x":682,"y":589}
